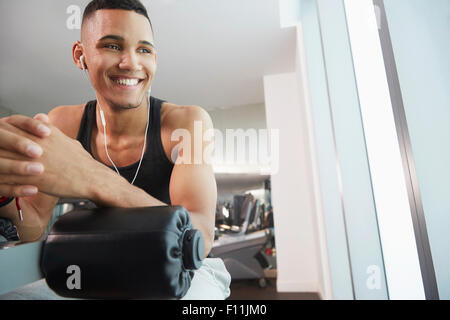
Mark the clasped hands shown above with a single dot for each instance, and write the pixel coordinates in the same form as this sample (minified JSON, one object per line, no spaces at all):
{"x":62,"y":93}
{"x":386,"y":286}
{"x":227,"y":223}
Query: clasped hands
{"x":35,"y":156}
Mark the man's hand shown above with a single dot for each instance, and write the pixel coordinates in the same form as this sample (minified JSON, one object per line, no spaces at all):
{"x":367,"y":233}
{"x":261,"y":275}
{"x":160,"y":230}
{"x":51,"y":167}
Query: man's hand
{"x":19,"y":153}
{"x":67,"y":167}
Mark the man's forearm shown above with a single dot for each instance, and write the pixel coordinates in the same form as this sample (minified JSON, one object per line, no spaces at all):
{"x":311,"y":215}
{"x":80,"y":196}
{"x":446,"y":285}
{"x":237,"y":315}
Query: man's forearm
{"x":112,"y":190}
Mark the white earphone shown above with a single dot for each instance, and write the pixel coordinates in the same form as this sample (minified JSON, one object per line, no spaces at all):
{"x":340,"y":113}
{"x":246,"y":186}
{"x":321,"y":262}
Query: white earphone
{"x":83,"y":66}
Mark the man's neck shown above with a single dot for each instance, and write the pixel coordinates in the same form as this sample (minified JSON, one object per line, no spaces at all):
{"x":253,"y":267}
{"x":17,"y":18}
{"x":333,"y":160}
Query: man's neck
{"x":122,"y":122}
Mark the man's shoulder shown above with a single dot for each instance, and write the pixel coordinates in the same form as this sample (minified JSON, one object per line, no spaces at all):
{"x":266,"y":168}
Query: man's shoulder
{"x":184,"y":116}
{"x":67,"y":118}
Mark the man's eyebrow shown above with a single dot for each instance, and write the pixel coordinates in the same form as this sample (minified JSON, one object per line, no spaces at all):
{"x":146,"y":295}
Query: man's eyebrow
{"x":147,"y":43}
{"x":119,"y":38}
{"x":113,"y":37}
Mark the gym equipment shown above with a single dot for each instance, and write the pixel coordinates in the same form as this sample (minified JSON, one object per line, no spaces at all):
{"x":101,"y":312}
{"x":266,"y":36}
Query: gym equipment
{"x":240,"y":252}
{"x":122,"y":253}
{"x":239,"y":248}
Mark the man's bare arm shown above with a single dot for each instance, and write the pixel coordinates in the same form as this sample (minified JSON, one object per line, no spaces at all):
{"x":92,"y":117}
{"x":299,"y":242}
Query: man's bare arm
{"x":193,"y":183}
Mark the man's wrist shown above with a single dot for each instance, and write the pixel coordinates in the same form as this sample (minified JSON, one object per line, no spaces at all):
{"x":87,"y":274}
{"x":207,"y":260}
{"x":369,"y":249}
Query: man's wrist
{"x":105,"y":187}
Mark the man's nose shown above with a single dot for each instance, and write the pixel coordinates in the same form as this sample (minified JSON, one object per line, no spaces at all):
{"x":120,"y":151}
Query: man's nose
{"x":130,"y":61}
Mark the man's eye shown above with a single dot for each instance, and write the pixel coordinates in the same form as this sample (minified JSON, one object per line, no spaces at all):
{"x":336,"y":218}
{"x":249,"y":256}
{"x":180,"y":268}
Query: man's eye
{"x":112,"y":46}
{"x":145,"y":50}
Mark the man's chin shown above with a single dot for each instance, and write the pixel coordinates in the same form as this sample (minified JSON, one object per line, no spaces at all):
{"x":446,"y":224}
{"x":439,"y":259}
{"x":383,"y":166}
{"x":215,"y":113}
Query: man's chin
{"x":128,"y":103}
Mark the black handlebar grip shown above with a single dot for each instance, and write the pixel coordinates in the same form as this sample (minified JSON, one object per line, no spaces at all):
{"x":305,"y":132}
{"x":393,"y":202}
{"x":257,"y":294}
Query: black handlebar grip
{"x":122,"y":253}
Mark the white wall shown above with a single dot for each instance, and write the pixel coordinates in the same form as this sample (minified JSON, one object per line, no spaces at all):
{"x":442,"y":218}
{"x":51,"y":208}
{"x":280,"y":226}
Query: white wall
{"x":239,"y":117}
{"x":247,"y":116}
{"x":299,"y":262}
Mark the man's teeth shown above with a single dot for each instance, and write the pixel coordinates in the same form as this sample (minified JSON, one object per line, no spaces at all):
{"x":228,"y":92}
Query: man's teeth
{"x":127,"y":82}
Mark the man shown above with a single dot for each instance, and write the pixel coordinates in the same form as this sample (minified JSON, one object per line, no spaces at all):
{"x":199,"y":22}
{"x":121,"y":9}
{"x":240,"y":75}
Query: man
{"x":41,"y":159}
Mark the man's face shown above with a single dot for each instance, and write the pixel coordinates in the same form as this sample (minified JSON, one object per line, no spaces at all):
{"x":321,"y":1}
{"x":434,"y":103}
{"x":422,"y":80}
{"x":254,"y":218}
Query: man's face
{"x":119,"y":55}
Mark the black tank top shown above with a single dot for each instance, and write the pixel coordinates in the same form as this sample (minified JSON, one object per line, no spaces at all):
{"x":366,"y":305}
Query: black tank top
{"x":156,"y":169}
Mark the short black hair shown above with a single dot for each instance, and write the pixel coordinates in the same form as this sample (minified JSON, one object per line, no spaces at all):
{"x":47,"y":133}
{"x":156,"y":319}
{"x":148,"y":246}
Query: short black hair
{"x":131,"y":5}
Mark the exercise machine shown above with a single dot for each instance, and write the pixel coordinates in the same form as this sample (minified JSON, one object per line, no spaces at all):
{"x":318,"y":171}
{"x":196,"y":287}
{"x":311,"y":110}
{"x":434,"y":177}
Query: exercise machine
{"x":240,"y":246}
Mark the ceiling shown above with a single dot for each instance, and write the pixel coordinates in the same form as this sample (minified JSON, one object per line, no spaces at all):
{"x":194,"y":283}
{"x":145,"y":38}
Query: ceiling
{"x":212,"y":53}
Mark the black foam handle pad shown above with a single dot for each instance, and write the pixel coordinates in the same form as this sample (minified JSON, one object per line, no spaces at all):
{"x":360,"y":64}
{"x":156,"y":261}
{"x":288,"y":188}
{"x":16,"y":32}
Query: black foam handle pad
{"x":122,"y":253}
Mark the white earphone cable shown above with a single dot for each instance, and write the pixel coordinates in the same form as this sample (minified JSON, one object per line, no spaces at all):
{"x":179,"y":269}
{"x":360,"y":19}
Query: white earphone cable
{"x":145,"y":139}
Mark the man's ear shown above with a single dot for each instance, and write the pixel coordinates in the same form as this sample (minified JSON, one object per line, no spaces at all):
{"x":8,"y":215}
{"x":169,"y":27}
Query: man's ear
{"x":77,"y":52}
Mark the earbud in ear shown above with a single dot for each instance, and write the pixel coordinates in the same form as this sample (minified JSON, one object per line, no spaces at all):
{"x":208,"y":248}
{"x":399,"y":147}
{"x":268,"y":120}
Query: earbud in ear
{"x":83,"y":66}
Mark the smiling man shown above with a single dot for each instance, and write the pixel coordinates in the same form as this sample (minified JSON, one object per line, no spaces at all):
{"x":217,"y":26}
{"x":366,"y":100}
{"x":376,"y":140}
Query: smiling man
{"x":116,"y":150}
